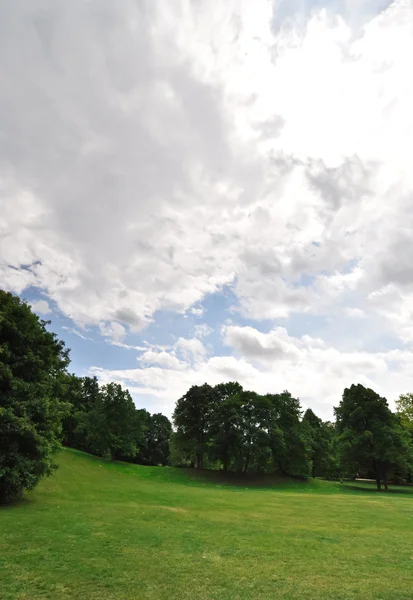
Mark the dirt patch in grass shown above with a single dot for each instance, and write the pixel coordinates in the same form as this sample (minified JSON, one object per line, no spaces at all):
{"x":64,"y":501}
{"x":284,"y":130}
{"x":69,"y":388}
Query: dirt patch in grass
{"x":174,"y":509}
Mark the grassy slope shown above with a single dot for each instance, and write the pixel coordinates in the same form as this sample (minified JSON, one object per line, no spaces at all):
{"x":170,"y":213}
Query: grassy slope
{"x":114,"y":531}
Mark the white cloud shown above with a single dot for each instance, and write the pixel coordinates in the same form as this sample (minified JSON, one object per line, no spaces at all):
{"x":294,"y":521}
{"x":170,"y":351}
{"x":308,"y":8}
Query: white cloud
{"x":162,"y":359}
{"x":153,"y":153}
{"x":355,"y":313}
{"x":74,"y":331}
{"x":270,"y":362}
{"x":291,"y":137}
{"x":42,"y":307}
{"x":190,"y":349}
{"x":113,"y":330}
{"x":203,"y":330}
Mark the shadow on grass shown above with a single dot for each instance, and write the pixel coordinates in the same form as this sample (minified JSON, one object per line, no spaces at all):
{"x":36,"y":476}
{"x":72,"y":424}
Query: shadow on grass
{"x":20,"y":502}
{"x":237,"y":479}
{"x":403,"y":490}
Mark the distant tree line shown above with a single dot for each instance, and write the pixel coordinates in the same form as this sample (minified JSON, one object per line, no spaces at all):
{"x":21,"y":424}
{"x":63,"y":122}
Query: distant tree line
{"x":224,"y":427}
{"x":228,"y":427}
{"x":104,"y":421}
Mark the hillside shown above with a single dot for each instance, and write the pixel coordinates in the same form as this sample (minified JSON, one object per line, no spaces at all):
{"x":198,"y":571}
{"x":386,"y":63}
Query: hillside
{"x":117,"y":531}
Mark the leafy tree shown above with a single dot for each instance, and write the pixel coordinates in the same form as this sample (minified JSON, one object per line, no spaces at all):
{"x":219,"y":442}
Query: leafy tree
{"x":141,"y":425}
{"x":319,"y":437}
{"x":176,"y":457}
{"x":92,"y":430}
{"x":226,"y":430}
{"x":157,"y":438}
{"x":72,"y":392}
{"x":192,"y":419}
{"x":255,"y":432}
{"x":32,"y":361}
{"x":85,"y":426}
{"x":227,"y":390}
{"x":288,"y":440}
{"x":369,"y":434}
{"x":404,"y":410}
{"x":119,"y":415}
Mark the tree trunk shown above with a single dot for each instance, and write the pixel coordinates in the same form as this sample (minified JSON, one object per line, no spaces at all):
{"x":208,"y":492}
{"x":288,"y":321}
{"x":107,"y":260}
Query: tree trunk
{"x":247,"y":462}
{"x":199,"y":460}
{"x":386,"y":487}
{"x":378,"y":479}
{"x":378,"y":482}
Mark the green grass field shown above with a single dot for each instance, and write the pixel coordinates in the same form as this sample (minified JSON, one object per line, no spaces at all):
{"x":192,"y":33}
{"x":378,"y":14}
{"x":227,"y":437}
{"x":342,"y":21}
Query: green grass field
{"x":116,"y":531}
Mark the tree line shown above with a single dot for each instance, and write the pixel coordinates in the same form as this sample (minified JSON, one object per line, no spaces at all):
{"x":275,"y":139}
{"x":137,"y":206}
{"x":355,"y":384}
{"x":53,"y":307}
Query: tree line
{"x":104,"y":421}
{"x":231,"y":428}
{"x":223,"y":427}
{"x":43,"y":406}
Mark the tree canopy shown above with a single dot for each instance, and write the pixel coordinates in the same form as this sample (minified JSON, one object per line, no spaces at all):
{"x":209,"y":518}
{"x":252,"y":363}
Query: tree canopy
{"x":31,"y":362}
{"x":370,"y":437}
{"x":241,"y":430}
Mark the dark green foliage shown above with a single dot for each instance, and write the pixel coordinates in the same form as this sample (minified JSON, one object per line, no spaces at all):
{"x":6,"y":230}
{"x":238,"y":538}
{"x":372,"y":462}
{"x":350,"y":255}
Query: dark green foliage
{"x":255,"y":432}
{"x":32,"y":362}
{"x":320,"y":443}
{"x":155,"y":446}
{"x":104,"y":421}
{"x":192,"y":418}
{"x":119,"y":415}
{"x":241,"y":430}
{"x":289,"y":448}
{"x":226,"y":430}
{"x":370,"y":437}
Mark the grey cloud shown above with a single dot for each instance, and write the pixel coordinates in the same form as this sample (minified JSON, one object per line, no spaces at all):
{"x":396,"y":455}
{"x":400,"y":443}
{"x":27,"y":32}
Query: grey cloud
{"x":255,"y":346}
{"x":127,"y":316}
{"x":105,"y":122}
{"x":343,"y":184}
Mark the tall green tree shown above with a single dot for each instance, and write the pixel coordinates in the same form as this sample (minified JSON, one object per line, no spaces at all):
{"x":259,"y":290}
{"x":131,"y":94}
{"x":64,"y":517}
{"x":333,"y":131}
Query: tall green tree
{"x":192,"y":419}
{"x":157,"y":438}
{"x":404,"y":410}
{"x":370,"y":436}
{"x":319,"y":436}
{"x":256,"y":413}
{"x":226,"y":431}
{"x":119,"y":413}
{"x":32,"y":361}
{"x":141,"y":426}
{"x":72,"y":391}
{"x":289,"y":444}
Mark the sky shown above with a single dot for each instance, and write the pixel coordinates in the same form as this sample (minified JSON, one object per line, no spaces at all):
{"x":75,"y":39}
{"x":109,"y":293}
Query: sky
{"x":202,"y":191}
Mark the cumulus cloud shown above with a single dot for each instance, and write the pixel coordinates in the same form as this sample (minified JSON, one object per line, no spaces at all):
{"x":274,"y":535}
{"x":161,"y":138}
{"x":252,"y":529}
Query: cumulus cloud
{"x":113,"y":330}
{"x":269,"y":362}
{"x":190,"y":349}
{"x":156,"y":120}
{"x":152,"y":153}
{"x":42,"y":307}
{"x":162,"y":359}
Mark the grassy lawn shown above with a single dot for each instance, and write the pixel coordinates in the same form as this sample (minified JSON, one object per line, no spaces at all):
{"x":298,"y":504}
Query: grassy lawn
{"x":115,"y":531}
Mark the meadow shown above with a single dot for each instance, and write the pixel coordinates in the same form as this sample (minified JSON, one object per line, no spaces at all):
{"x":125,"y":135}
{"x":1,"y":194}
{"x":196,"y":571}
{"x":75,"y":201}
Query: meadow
{"x":117,"y":531}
